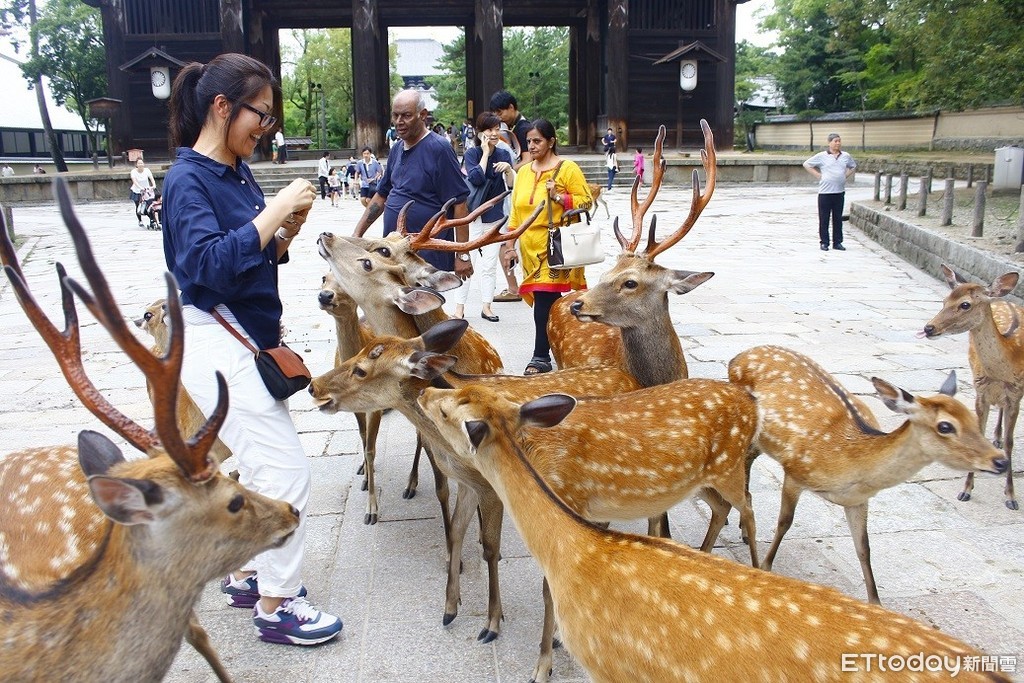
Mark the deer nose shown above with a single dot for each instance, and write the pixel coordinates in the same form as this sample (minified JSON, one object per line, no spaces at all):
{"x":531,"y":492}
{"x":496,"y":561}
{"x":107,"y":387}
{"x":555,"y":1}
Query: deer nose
{"x":294,"y":511}
{"x":1000,"y":465}
{"x":929,"y":330}
{"x":575,"y":307}
{"x":325,"y":297}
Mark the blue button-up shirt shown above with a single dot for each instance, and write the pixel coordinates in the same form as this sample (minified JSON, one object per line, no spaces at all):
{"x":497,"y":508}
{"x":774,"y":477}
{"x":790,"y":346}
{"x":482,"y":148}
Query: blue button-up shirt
{"x":213,"y":248}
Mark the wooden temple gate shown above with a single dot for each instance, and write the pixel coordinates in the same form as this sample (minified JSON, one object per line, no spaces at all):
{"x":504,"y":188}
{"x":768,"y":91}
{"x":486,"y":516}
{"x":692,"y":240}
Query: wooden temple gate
{"x":613,"y":76}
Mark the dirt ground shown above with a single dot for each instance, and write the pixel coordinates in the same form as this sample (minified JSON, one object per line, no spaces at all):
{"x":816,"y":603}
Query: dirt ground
{"x":1000,"y":232}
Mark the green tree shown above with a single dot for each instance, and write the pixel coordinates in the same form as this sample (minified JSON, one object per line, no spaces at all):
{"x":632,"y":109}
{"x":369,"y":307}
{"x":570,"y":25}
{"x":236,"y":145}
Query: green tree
{"x":752,"y":62}
{"x":71,"y":55}
{"x":22,"y":14}
{"x":451,"y":83}
{"x":322,"y":57}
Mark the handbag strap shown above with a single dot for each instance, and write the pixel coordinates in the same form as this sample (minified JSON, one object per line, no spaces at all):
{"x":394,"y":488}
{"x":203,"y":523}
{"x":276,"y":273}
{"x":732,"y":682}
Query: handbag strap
{"x":234,"y":333}
{"x":551,"y":219}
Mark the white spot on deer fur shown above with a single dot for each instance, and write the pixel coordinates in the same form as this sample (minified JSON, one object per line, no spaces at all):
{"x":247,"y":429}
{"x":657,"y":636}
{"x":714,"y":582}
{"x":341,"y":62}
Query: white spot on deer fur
{"x":801,"y":649}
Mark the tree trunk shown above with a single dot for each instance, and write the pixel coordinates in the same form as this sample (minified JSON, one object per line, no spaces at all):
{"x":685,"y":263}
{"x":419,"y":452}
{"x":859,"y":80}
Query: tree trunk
{"x":44,"y":114}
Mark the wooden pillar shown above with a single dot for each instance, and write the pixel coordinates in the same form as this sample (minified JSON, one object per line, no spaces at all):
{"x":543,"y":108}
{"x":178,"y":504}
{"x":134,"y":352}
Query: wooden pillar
{"x":485,"y":61}
{"x":231,"y":34}
{"x":725,"y":75}
{"x":617,"y":59}
{"x":112,"y":12}
{"x":575,"y":82}
{"x":591,"y":76}
{"x":370,"y":71}
{"x":263,"y":44}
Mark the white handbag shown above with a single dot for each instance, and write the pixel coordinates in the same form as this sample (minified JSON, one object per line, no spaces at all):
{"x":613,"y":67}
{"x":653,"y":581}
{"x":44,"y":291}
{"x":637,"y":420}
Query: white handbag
{"x":574,"y":245}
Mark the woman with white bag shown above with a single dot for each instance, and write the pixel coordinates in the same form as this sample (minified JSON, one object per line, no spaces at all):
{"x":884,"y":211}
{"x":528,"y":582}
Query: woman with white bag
{"x":488,"y":172}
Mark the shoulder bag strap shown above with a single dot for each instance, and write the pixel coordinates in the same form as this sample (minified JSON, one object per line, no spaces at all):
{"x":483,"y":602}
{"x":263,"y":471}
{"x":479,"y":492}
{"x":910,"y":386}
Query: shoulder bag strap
{"x":234,"y":332}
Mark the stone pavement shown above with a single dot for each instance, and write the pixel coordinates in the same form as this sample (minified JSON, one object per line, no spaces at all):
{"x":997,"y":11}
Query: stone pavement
{"x":955,"y":565}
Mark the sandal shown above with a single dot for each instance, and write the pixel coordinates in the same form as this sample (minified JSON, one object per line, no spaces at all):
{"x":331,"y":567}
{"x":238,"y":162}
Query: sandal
{"x":508,"y":296}
{"x":537,"y":366}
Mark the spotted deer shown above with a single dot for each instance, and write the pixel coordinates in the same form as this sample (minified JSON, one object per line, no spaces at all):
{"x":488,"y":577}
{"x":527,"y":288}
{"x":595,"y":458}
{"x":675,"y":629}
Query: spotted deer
{"x":103,"y":559}
{"x":391,"y":371}
{"x":637,"y":608}
{"x":996,"y":355}
{"x":680,"y":436}
{"x":828,"y":442}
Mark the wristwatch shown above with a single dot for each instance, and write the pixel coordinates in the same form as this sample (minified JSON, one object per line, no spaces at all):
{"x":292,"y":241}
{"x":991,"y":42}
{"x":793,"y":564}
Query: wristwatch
{"x":463,"y":257}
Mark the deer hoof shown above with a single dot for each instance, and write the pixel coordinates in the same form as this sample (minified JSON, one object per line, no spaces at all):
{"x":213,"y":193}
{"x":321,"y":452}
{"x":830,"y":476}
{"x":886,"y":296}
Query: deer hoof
{"x":408,"y":494}
{"x":448,"y":618}
{"x":365,"y":485}
{"x":555,"y":644}
{"x":965,"y":495}
{"x":370,"y":518}
{"x":1012,"y":504}
{"x":486,"y":636}
{"x":362,"y":470}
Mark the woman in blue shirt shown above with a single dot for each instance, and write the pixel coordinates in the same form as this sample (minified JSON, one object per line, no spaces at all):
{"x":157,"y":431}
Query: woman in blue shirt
{"x":223,"y":242}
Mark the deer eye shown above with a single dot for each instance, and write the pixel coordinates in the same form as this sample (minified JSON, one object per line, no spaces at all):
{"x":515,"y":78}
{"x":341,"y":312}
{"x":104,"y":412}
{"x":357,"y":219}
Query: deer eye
{"x":358,"y":371}
{"x":367,"y":266}
{"x":965,"y":306}
{"x":946,"y":428}
{"x":384,"y":251}
{"x":236,"y":503}
{"x":323,"y":280}
{"x":147,"y":316}
{"x":630,"y":284}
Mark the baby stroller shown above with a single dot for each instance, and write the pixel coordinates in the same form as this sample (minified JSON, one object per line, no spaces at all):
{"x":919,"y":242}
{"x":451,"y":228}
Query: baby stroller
{"x":150,"y":205}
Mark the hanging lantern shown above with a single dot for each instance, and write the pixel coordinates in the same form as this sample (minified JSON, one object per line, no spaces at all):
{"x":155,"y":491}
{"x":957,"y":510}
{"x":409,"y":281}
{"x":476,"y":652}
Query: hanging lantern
{"x":160,"y":80}
{"x":688,"y":74}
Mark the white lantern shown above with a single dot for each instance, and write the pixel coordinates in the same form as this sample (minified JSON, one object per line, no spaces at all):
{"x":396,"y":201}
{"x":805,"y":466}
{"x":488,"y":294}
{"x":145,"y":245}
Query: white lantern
{"x":688,"y":74}
{"x":160,"y":79}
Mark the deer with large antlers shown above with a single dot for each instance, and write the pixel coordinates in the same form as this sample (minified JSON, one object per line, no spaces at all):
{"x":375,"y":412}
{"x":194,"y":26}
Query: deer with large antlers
{"x":996,"y":355}
{"x":828,"y":442}
{"x":683,"y":436}
{"x":636,"y":608}
{"x":104,"y":559}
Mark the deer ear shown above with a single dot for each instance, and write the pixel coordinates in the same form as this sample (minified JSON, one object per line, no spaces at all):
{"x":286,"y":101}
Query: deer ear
{"x":96,"y":453}
{"x":477,"y":431}
{"x":417,"y":300}
{"x":1004,"y":284}
{"x":546,"y":411}
{"x":444,"y":335}
{"x":442,"y":280}
{"x":953,"y":278}
{"x":427,"y":365}
{"x":949,"y":386}
{"x":894,"y":398}
{"x":684,"y":281}
{"x":126,"y":501}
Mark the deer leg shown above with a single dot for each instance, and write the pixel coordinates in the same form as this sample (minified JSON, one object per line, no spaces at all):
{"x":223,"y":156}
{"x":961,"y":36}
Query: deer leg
{"x":361,"y":422}
{"x":981,"y":409}
{"x":443,"y":493}
{"x":414,"y":473}
{"x":719,"y":516}
{"x":790,"y":496}
{"x":491,"y":513}
{"x":196,"y":637}
{"x":545,"y":661}
{"x":466,"y":502}
{"x":734,"y":491}
{"x":1009,"y":424}
{"x":857,"y":519}
{"x":658,"y":526}
{"x":369,"y":423}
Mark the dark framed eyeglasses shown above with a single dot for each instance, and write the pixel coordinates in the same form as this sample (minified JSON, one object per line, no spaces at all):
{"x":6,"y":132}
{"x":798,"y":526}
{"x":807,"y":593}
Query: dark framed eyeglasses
{"x":266,"y":118}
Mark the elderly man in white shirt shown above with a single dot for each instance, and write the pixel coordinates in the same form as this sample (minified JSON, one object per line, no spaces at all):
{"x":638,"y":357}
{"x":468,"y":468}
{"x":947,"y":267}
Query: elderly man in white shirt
{"x":831,"y":168}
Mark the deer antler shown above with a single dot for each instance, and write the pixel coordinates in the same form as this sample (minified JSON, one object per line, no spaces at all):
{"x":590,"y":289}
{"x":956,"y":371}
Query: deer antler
{"x":492,"y":236}
{"x":708,"y":159}
{"x":638,"y":209}
{"x":163,"y":373}
{"x":438,"y":223}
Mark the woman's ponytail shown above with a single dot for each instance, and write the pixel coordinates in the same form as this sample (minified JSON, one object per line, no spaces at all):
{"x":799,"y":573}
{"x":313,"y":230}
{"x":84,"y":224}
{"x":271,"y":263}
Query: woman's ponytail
{"x":185,"y":119}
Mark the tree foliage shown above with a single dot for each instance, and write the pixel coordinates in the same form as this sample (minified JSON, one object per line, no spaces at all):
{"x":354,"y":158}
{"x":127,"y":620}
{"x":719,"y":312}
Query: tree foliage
{"x":847,"y":55}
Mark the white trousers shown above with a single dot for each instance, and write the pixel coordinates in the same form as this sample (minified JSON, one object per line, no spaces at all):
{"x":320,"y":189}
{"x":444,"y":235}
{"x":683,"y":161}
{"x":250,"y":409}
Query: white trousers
{"x":260,"y":433}
{"x":485,"y":265}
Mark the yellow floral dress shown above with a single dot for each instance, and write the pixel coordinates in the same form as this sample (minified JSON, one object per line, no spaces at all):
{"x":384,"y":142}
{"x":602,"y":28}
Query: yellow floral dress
{"x":529,"y":190}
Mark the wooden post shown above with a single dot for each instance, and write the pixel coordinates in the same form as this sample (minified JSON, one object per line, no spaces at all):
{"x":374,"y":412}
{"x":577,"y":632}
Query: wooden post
{"x":901,"y":202}
{"x":922,"y":198}
{"x":617,"y":77}
{"x":978,"y":226}
{"x":970,"y":175}
{"x":888,"y":188}
{"x":928,"y":186}
{"x":370,"y":82}
{"x":947,"y":204}
{"x":878,"y":185}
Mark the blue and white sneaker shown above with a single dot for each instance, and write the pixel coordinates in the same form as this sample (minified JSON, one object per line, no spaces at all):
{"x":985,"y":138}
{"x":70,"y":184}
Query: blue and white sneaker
{"x":245,"y":592}
{"x":295,"y":622}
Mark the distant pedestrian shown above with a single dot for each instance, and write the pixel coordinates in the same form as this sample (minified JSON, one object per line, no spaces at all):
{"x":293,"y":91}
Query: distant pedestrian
{"x":39,"y":170}
{"x":334,"y":185}
{"x":348,"y":180}
{"x":609,"y":142}
{"x":638,"y":164}
{"x":612,"y":162}
{"x":282,"y":148}
{"x":323,"y":171}
{"x":6,"y":171}
{"x":370,"y":172}
{"x":831,"y":168}
{"x":142,"y":179}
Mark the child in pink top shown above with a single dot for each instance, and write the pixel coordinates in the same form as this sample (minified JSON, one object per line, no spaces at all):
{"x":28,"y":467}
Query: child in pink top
{"x":638,"y":164}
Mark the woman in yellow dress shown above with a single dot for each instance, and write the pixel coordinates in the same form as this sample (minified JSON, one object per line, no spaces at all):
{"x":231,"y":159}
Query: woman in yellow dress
{"x":562,"y":184}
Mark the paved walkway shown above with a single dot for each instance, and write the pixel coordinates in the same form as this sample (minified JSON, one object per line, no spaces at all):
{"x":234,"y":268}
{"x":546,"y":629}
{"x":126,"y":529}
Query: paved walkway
{"x":955,"y":565}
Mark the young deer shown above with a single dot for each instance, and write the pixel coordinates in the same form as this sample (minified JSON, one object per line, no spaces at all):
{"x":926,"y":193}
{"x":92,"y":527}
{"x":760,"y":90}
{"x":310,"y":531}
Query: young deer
{"x":190,"y":418}
{"x":93,"y":598}
{"x":996,"y":356}
{"x":390,"y":372}
{"x":636,"y":608}
{"x":828,"y":441}
{"x":633,"y":295}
